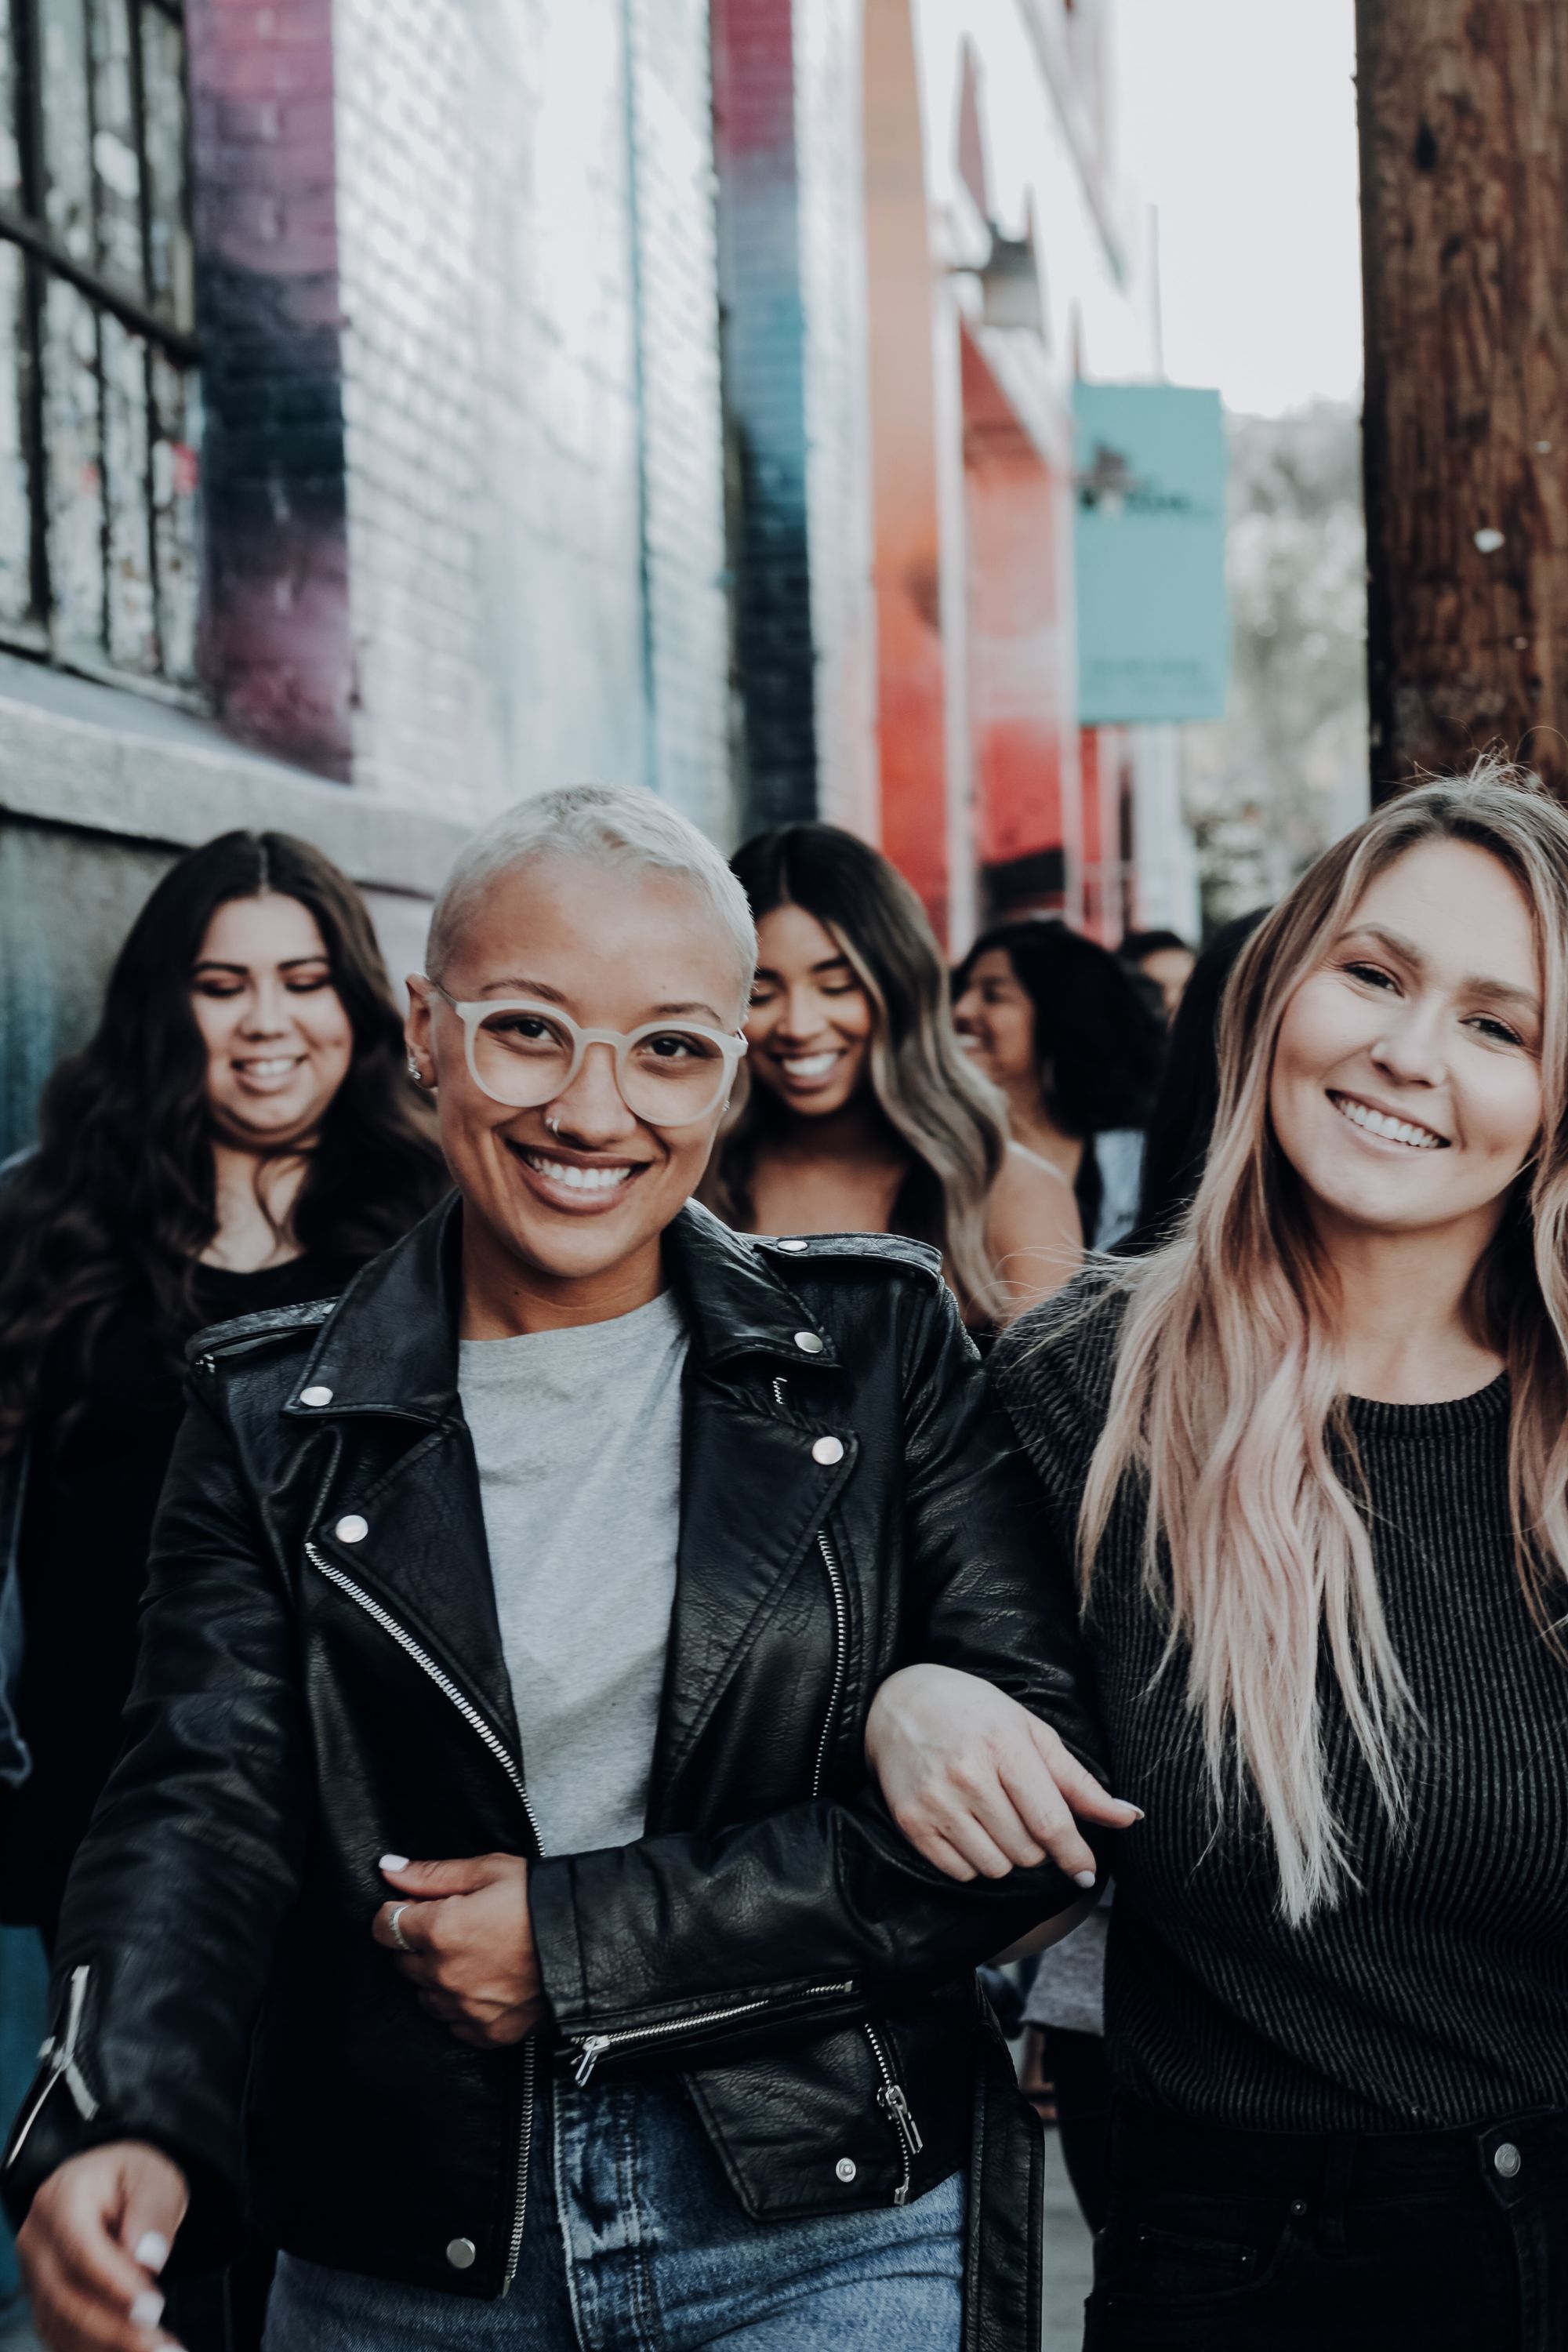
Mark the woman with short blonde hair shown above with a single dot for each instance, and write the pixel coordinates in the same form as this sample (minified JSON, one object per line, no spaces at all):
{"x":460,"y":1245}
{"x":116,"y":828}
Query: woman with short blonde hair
{"x":1310,"y":1461}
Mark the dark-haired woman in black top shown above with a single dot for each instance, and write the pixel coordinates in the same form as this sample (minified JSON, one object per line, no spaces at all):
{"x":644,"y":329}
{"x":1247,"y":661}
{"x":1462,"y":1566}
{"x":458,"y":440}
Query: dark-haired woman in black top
{"x":240,"y":1134}
{"x":1308,"y":1464}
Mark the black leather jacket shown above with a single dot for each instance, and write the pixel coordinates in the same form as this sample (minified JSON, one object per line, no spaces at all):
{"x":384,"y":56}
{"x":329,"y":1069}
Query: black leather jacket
{"x":321,"y":1678}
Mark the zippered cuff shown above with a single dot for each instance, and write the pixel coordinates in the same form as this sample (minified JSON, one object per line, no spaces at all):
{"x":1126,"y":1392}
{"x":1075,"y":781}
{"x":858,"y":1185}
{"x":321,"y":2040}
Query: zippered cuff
{"x":61,"y":2069}
{"x":70,"y":2107}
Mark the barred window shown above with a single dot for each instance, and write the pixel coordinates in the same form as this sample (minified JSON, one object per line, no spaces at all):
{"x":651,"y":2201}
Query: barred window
{"x":99,"y":400}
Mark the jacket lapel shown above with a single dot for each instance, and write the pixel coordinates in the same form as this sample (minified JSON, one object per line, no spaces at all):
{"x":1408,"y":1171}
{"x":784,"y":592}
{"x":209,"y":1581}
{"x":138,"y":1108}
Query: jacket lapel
{"x":423,"y":1558}
{"x":752,"y":1500}
{"x":401,"y":1517}
{"x":753,"y":1496}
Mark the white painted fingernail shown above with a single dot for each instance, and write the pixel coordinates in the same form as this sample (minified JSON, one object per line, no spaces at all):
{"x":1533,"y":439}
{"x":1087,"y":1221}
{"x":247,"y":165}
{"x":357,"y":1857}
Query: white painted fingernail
{"x":1083,"y":1878}
{"x":146,"y":2308}
{"x":394,"y":1862}
{"x":152,"y":2250}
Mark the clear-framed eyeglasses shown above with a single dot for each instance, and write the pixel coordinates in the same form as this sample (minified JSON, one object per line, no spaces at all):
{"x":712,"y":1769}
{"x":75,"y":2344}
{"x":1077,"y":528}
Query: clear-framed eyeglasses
{"x":525,"y":1054}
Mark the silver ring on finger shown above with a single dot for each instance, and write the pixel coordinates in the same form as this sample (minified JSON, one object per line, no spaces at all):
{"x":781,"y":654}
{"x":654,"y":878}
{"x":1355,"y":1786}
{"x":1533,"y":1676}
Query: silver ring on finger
{"x":395,"y":1928}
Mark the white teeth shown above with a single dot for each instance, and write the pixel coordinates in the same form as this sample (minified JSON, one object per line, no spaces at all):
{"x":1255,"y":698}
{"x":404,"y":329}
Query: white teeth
{"x":277,"y":1069}
{"x":1378,"y":1122}
{"x":578,"y":1180}
{"x":808,"y":1065}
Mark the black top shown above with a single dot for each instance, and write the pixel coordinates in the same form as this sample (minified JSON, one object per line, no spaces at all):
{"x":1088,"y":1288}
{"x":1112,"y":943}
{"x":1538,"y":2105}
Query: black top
{"x":88,"y":1517}
{"x":1437,"y":1993}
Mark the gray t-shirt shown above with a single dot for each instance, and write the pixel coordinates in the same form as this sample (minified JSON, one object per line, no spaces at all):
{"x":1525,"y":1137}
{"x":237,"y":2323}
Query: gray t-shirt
{"x":578,"y":1439}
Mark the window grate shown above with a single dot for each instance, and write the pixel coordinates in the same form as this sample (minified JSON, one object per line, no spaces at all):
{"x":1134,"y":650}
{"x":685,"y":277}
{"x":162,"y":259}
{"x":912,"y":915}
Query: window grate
{"x":100,"y":394}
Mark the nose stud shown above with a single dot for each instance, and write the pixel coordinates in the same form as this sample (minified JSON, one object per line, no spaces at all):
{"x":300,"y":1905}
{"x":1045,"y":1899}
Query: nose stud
{"x":552,"y":1124}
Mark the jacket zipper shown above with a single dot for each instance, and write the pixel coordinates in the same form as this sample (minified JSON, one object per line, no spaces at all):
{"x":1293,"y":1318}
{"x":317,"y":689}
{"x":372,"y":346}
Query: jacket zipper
{"x":63,"y":2067}
{"x":840,"y":1655}
{"x":593,"y":2045}
{"x":840,"y":1634}
{"x":891,"y":2099}
{"x":892,"y":2096}
{"x":498,"y":1748}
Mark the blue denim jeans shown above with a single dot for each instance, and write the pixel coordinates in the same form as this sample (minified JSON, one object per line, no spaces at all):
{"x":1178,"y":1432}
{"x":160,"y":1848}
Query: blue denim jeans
{"x":634,"y":2243}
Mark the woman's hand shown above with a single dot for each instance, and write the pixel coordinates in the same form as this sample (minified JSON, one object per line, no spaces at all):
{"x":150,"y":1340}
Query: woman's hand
{"x":977,"y":1784}
{"x":91,"y":2248}
{"x":466,"y":1943}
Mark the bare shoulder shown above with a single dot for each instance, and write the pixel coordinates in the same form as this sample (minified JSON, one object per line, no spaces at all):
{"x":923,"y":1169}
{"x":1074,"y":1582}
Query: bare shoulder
{"x":1033,"y":1231}
{"x":1031,"y":1199}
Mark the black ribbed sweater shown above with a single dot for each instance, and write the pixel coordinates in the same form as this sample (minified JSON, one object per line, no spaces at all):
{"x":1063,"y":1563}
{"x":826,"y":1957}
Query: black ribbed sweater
{"x":1437,"y":1993}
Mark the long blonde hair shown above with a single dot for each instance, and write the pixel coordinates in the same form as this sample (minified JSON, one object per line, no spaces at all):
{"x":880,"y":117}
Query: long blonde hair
{"x":952,"y":1122}
{"x":1228,"y":1400}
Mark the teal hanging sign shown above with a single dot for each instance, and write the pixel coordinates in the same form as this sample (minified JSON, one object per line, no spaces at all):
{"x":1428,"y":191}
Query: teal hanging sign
{"x":1154,"y":620}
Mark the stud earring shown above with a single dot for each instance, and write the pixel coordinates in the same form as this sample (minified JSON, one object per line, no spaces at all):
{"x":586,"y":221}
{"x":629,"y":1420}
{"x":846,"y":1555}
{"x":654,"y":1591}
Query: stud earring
{"x":414,"y":1071}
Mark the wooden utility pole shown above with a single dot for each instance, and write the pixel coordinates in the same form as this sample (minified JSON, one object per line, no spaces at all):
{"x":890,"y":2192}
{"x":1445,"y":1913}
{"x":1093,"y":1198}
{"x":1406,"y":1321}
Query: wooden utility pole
{"x":1463,"y":165}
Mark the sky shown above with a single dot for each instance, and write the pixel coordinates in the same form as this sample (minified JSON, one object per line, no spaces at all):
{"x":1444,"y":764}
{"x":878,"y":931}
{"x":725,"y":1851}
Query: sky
{"x":1237,"y":118}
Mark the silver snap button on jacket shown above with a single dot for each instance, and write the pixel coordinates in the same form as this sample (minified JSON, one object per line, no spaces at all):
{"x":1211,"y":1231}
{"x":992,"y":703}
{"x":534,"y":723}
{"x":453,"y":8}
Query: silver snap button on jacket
{"x":794,"y":1248}
{"x":460,"y":2253}
{"x":1507,"y":2159}
{"x":354,"y":1529}
{"x":828,"y":1450}
{"x":808,"y":1343}
{"x":845,"y":2168}
{"x":315,"y":1396}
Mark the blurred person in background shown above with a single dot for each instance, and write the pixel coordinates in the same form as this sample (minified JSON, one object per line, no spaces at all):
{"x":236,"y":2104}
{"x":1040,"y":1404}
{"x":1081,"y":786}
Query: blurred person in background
{"x":1064,"y":2068}
{"x":858,"y":1111}
{"x":1070,"y":1037}
{"x":239,"y":1135}
{"x":1164,"y":959}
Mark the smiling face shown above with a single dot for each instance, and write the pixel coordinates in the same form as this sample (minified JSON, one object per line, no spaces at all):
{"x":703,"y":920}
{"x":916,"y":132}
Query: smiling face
{"x":567,"y":1201}
{"x":996,"y":1020}
{"x":810,"y":1025}
{"x":1405,"y":1090}
{"x":278,"y":1041}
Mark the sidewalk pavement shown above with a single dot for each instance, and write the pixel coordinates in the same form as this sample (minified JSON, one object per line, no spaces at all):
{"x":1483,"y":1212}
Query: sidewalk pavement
{"x":1068,"y":2262}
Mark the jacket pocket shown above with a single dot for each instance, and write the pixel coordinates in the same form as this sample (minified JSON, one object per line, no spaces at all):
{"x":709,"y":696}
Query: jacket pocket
{"x":695,"y":2028}
{"x":1208,"y":2259}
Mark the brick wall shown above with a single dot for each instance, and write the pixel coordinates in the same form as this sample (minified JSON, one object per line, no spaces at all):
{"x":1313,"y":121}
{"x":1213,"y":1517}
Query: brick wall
{"x":530,"y":394}
{"x":764,"y":345}
{"x":673,"y":195}
{"x":275,"y":655}
{"x":465,"y":454}
{"x":792,"y":272}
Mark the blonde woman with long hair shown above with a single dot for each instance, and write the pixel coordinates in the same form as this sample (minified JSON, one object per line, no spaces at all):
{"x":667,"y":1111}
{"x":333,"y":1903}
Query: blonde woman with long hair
{"x":1310,"y":1462}
{"x":858,"y":1109}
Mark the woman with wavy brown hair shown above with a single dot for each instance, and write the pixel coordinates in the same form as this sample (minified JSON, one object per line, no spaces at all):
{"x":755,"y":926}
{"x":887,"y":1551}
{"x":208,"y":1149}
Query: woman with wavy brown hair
{"x":240,"y":1134}
{"x":1307,"y":1463}
{"x":858,"y":1109}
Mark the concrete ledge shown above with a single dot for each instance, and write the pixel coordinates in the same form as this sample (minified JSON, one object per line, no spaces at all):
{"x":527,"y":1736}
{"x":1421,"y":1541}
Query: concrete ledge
{"x":102,"y":761}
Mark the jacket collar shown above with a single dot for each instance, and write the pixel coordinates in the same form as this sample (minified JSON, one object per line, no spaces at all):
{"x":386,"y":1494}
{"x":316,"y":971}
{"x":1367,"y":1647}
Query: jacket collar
{"x":391,"y":1345}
